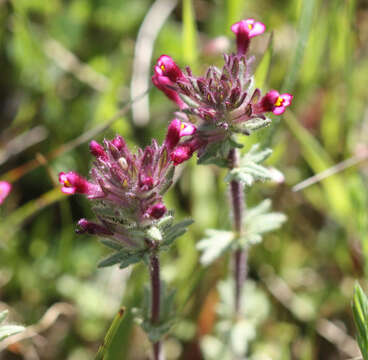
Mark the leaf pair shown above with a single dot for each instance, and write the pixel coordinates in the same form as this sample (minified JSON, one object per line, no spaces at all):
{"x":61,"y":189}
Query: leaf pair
{"x":258,"y":221}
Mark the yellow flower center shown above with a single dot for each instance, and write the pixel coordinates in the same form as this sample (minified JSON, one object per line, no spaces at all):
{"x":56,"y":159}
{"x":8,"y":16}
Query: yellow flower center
{"x":162,"y":67}
{"x":250,"y":26}
{"x":182,"y":126}
{"x":279,"y":101}
{"x":67,"y":183}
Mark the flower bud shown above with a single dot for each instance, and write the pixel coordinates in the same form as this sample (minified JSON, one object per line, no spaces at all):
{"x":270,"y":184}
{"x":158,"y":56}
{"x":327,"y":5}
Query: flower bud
{"x":97,"y":150}
{"x":91,"y":228}
{"x":157,"y":211}
{"x":118,"y":142}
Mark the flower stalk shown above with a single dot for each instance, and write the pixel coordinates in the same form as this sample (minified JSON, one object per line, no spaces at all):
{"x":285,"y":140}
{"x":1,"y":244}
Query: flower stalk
{"x":155,"y":301}
{"x":240,"y":256}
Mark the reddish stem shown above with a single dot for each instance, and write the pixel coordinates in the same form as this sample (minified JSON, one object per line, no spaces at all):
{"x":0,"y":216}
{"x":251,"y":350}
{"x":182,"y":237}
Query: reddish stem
{"x":240,"y":256}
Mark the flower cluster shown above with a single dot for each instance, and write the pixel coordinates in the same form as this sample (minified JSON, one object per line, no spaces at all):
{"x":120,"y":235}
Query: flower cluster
{"x":127,"y":188}
{"x":222,"y":102}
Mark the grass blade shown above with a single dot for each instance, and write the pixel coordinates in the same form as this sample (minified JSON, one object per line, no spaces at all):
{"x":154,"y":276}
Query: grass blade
{"x":190,"y":50}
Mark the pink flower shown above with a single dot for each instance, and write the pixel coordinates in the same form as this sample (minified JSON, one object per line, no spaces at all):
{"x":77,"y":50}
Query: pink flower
{"x":176,"y":130}
{"x":166,"y":66}
{"x":187,"y":129}
{"x":164,"y":84}
{"x":5,"y":189}
{"x":275,"y":102}
{"x":74,"y":183}
{"x":244,"y":31}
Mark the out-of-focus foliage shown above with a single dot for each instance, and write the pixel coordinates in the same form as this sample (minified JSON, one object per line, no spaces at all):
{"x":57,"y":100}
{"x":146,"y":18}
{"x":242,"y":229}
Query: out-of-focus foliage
{"x":66,"y":67}
{"x":360,"y":311}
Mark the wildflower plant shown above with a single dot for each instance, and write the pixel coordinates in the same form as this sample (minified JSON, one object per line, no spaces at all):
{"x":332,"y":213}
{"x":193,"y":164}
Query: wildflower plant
{"x":126,"y":190}
{"x":219,"y":106}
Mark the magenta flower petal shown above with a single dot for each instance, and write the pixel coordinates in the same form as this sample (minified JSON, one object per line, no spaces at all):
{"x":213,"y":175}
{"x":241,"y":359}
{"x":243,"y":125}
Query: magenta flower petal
{"x":5,"y":189}
{"x":181,"y":154}
{"x":187,"y":129}
{"x":287,"y":99}
{"x":258,"y":29}
{"x":68,"y":190}
{"x":279,"y":110}
{"x":74,"y":183}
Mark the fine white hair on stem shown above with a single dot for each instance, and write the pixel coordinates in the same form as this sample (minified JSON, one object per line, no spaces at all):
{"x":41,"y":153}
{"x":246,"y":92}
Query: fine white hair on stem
{"x":151,"y":25}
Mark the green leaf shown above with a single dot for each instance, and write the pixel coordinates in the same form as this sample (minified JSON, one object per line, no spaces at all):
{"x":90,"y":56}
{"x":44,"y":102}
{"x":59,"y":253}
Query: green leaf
{"x":172,"y":232}
{"x":103,"y":349}
{"x":111,"y":244}
{"x":143,"y":315}
{"x":214,"y":244}
{"x":258,"y":221}
{"x":360,"y":312}
{"x":252,"y":125}
{"x":123,"y":258}
{"x":249,"y":169}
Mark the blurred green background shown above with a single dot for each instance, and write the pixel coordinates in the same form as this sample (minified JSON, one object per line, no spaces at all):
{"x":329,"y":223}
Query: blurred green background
{"x":67,"y":67}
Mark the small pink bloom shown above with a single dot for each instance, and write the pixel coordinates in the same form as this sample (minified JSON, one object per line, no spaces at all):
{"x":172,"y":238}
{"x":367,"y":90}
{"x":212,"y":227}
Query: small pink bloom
{"x":244,"y":31}
{"x":157,"y":211}
{"x":275,"y":102}
{"x":74,"y":183}
{"x":5,"y":189}
{"x":176,"y":130}
{"x":181,"y":154}
{"x":166,"y":85}
{"x":187,"y":129}
{"x":97,"y":150}
{"x":166,"y":66}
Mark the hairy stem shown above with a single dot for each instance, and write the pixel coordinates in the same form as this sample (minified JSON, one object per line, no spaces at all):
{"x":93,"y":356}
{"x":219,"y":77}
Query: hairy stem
{"x":240,"y":256}
{"x":155,"y":301}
